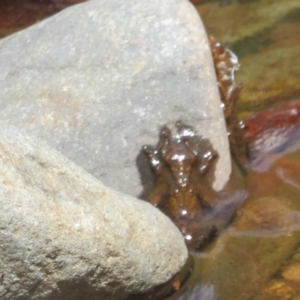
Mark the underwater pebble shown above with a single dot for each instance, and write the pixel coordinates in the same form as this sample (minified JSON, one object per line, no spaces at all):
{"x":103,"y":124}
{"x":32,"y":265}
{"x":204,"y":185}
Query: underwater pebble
{"x":292,"y":272}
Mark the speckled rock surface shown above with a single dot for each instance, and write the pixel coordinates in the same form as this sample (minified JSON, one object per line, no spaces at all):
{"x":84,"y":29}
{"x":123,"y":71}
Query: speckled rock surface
{"x":64,"y":235}
{"x":99,"y":79}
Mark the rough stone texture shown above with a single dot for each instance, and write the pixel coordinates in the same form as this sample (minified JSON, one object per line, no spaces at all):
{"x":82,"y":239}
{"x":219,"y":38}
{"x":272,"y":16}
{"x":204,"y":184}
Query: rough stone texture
{"x":99,"y":79}
{"x":64,"y":235}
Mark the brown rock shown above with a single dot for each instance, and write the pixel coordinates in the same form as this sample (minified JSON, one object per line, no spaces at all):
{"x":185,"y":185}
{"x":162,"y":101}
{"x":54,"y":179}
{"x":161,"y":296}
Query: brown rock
{"x":292,"y":272}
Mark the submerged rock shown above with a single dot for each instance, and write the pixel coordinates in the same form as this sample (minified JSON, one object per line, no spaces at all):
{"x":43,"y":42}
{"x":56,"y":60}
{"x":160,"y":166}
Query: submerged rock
{"x":99,"y":79}
{"x":64,"y":235}
{"x":274,"y":130}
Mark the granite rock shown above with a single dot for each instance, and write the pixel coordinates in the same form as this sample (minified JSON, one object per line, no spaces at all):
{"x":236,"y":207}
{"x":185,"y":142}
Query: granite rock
{"x":64,"y":235}
{"x":99,"y":79}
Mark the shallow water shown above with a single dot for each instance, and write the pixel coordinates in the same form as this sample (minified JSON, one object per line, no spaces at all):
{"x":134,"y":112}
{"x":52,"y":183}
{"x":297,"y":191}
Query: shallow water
{"x":258,"y":256}
{"x":251,"y":258}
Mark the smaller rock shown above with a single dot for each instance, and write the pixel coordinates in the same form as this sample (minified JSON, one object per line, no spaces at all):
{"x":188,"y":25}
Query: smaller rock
{"x":268,"y":215}
{"x":64,"y":235}
{"x":292,"y":272}
{"x":277,"y":290}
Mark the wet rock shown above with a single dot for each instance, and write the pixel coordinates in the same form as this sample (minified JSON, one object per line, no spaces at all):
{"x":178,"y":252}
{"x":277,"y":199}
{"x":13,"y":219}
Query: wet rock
{"x":99,"y":79}
{"x":273,"y":130}
{"x":64,"y":235}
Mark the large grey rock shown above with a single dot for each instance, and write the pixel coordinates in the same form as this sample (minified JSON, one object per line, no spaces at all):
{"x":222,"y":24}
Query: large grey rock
{"x":64,"y":235}
{"x":99,"y":79}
